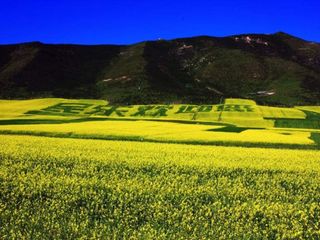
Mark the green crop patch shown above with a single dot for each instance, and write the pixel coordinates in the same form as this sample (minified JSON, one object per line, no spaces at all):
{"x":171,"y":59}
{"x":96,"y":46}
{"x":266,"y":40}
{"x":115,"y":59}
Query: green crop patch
{"x":71,"y":108}
{"x":232,"y":129}
{"x":311,"y":121}
{"x":194,"y":108}
{"x":152,"y":111}
{"x":67,"y":108}
{"x":315,"y":137}
{"x":235,"y":108}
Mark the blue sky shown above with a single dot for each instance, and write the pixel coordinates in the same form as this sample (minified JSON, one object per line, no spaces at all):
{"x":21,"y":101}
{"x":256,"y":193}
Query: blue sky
{"x":130,"y":21}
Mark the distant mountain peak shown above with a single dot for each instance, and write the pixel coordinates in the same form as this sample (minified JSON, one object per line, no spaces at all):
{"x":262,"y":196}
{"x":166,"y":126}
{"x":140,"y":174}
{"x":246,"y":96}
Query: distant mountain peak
{"x":194,"y":70}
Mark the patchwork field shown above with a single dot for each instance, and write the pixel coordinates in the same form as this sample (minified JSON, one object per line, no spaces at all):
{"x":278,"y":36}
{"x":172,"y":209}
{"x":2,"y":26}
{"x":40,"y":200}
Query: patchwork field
{"x":72,"y":169}
{"x":236,"y":121}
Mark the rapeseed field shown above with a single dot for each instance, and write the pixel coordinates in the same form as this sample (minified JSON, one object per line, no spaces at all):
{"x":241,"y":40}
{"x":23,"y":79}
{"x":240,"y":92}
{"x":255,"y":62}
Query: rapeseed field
{"x":72,"y":188}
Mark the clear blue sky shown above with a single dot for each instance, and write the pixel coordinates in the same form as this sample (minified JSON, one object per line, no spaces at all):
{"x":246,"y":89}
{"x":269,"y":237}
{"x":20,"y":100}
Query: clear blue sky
{"x":130,"y":21}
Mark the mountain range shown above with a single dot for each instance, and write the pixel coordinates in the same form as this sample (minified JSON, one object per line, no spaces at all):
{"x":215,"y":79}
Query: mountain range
{"x":274,"y":69}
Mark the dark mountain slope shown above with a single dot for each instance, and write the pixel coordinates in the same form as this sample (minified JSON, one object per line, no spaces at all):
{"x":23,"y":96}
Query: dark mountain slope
{"x":200,"y":70}
{"x":35,"y":69}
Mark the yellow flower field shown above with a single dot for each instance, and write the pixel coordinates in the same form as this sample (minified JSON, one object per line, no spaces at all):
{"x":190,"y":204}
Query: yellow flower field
{"x":72,"y":188}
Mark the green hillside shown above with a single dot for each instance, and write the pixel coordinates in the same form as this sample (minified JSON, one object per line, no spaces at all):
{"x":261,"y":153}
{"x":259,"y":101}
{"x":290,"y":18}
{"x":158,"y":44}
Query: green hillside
{"x":276,"y":69}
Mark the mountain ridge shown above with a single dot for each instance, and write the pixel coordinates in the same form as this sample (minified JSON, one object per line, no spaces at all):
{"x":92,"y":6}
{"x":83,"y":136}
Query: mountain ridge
{"x":195,"y":70}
